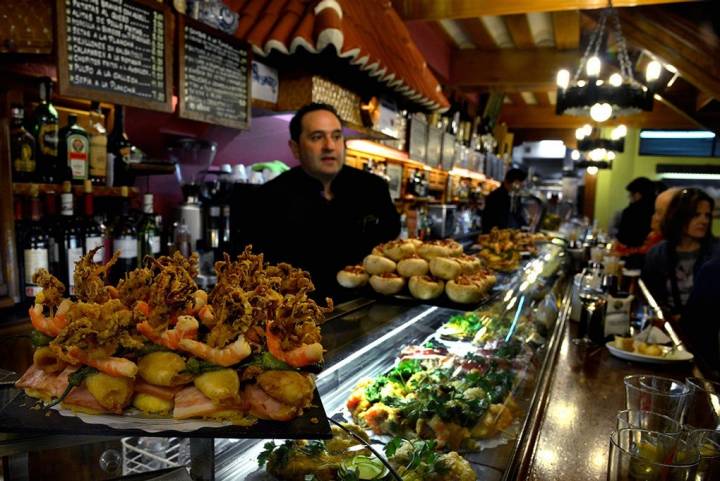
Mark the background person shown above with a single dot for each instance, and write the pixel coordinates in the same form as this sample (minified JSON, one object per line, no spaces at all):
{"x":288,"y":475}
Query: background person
{"x":635,"y":218}
{"x":502,"y":205}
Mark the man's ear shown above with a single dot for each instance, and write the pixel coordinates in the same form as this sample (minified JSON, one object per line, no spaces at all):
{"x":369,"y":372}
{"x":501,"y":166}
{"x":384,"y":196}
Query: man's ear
{"x":294,"y":148}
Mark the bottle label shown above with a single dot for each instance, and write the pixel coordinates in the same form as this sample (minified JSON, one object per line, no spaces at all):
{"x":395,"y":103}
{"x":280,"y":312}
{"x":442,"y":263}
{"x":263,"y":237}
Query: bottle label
{"x":22,"y":159}
{"x":34,"y":259}
{"x":66,"y":204}
{"x":98,"y":156}
{"x":155,"y":244}
{"x":74,"y":254}
{"x":48,"y":139}
{"x":93,"y":242}
{"x":77,"y":151}
{"x":127,"y":246}
{"x":54,"y":250}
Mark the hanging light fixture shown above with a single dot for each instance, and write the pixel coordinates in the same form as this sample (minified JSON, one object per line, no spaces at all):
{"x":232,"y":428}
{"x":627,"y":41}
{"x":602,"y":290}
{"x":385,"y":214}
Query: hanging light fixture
{"x":596,"y":146}
{"x":601,"y":100}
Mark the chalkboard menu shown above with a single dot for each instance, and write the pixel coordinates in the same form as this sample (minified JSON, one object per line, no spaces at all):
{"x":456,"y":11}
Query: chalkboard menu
{"x":117,"y":51}
{"x":418,"y":139}
{"x":214,"y":75}
{"x":448,"y":151}
{"x":434,"y":146}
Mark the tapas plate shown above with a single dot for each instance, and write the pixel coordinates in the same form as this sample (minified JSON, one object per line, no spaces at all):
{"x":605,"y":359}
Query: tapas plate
{"x":671,"y":358}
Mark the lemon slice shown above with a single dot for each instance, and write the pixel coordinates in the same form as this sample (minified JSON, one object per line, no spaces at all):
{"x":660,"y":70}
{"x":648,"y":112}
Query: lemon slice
{"x":366,"y":468}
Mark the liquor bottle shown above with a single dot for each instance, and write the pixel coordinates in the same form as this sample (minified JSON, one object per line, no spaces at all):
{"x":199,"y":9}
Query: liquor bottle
{"x":119,"y":149}
{"x":98,"y":145}
{"x":53,"y":226}
{"x":45,"y":130}
{"x":70,"y":238}
{"x":214,"y":230}
{"x":22,"y":148}
{"x":21,"y":227}
{"x":92,"y":229}
{"x":34,"y":246}
{"x":74,"y":150}
{"x":125,"y":240}
{"x":148,"y":231}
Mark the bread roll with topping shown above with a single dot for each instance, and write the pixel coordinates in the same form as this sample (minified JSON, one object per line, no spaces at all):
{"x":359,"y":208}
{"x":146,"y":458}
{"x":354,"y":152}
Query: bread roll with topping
{"x":413,"y":266}
{"x":432,"y":249}
{"x":387,"y":284}
{"x":376,"y":265}
{"x":465,"y":290}
{"x":425,"y":287}
{"x":398,"y":250}
{"x":352,"y":277}
{"x":445,"y":268}
{"x":470,"y":264}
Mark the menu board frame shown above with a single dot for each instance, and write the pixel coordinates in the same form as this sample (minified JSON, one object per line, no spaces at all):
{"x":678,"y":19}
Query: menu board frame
{"x":183,"y":111}
{"x":66,"y":88}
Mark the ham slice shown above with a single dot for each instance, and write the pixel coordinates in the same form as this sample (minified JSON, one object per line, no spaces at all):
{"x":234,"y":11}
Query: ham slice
{"x":53,"y":385}
{"x":190,"y":402}
{"x":80,"y":398}
{"x":162,"y":392}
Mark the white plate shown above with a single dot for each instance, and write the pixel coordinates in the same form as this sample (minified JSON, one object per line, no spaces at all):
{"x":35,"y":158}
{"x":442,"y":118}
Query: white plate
{"x":677,"y":356}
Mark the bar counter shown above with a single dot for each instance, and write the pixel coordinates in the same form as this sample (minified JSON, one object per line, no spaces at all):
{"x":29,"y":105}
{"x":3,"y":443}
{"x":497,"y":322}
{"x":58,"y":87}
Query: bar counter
{"x":584,"y":396}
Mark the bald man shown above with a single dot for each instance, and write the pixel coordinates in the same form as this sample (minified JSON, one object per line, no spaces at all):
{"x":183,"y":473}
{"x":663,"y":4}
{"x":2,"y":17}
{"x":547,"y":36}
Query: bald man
{"x":662,"y":201}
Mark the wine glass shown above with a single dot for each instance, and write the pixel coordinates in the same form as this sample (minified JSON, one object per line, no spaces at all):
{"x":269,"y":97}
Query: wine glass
{"x":591,"y":298}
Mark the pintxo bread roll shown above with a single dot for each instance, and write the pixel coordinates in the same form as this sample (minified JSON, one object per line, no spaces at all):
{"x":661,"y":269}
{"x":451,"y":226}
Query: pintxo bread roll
{"x":352,"y":277}
{"x":465,"y":289}
{"x":376,"y":265}
{"x":433,"y":249}
{"x":398,"y":249}
{"x":387,"y":284}
{"x":445,"y":268}
{"x":413,"y":266}
{"x":425,"y":287}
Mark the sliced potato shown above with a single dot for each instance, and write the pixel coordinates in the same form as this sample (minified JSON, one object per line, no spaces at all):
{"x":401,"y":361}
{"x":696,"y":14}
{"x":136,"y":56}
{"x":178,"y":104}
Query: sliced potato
{"x":219,"y":385}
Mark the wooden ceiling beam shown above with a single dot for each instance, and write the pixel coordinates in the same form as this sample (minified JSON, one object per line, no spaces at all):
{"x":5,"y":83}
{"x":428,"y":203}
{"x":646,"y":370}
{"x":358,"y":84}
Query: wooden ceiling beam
{"x":476,"y":31}
{"x":533,"y":69}
{"x":539,"y":117}
{"x":515,"y":98}
{"x":566,"y":26}
{"x":454,"y":9}
{"x":542,"y":98}
{"x":519,"y":29}
{"x":702,"y":100}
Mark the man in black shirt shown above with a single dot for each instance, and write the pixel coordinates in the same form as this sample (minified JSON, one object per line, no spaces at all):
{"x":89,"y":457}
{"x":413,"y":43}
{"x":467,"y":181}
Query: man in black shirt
{"x":322,"y":215}
{"x":499,"y":210}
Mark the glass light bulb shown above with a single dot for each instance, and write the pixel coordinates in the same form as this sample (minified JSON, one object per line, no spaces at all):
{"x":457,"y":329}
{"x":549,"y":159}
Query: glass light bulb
{"x":597,"y":155}
{"x":618,"y":132}
{"x":593,"y":66}
{"x":587,"y":128}
{"x":600,"y":112}
{"x":615,"y":80}
{"x":563,"y":78}
{"x":592,"y":170}
{"x":610,"y":155}
{"x":652,"y":71}
{"x":581,"y":83}
{"x":575,"y":155}
{"x":580,"y":133}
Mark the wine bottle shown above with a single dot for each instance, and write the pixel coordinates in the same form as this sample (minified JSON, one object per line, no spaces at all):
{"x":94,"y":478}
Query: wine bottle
{"x":45,"y":130}
{"x":22,"y":148}
{"x":53,"y":227}
{"x":125,"y":240}
{"x":74,"y":150}
{"x":92,"y":229}
{"x":70,"y":238}
{"x":148,"y":232}
{"x":119,"y":149}
{"x":34,"y":246}
{"x":98,"y":145}
{"x":21,"y":227}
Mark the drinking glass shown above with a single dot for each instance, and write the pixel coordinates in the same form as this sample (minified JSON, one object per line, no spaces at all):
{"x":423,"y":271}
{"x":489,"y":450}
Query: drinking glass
{"x":632,"y":418}
{"x":641,"y":455}
{"x":703,"y":404}
{"x":592,"y":303}
{"x":707,"y":441}
{"x":657,"y":394}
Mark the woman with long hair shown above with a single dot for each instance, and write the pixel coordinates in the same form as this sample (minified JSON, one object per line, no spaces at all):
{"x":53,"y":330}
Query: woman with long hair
{"x":671,"y":265}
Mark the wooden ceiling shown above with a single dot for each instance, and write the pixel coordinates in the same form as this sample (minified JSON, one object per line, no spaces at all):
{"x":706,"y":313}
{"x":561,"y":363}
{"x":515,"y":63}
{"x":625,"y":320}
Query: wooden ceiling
{"x":516,"y":47}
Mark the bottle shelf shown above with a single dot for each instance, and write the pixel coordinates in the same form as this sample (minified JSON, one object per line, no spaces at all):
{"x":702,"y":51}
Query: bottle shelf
{"x":24,"y":188}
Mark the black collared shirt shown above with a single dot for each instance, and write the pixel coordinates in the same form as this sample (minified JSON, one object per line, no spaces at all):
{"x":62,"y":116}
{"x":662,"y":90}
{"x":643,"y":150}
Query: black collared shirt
{"x":291,"y":221}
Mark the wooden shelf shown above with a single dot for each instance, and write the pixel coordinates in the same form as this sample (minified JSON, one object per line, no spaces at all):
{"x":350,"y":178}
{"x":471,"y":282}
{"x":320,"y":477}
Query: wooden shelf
{"x":23,"y":188}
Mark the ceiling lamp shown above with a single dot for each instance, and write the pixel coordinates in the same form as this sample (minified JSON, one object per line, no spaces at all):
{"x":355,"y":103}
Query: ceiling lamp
{"x":601,"y":100}
{"x":592,"y":142}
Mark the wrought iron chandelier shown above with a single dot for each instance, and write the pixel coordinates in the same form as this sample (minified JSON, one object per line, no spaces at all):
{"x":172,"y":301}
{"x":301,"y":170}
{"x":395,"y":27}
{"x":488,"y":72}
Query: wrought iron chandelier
{"x":595,"y":146}
{"x":621,"y":94}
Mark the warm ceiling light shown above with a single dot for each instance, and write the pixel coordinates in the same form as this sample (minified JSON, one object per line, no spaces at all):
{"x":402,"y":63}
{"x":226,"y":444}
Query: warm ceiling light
{"x":563,"y":78}
{"x":653,"y":70}
{"x":587,"y":128}
{"x":615,"y":80}
{"x":581,"y":83}
{"x":610,"y":155}
{"x":575,"y":155}
{"x":671,"y":68}
{"x":592,"y":170}
{"x":600,"y":112}
{"x":596,"y":155}
{"x":579,"y":133}
{"x":593,"y":66}
{"x":618,"y":132}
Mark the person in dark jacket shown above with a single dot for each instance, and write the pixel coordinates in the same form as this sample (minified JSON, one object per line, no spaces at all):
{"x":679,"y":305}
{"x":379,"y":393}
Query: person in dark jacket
{"x":502,"y":205}
{"x":700,"y":323}
{"x":635,"y":219}
{"x":322,"y":215}
{"x":671,"y":266}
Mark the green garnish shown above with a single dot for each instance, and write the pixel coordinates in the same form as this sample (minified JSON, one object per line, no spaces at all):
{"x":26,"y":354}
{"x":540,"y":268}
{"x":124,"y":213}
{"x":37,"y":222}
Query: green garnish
{"x":150,"y":348}
{"x":269,"y":362}
{"x":75,"y":379}
{"x":38,"y":339}
{"x":196,"y":366}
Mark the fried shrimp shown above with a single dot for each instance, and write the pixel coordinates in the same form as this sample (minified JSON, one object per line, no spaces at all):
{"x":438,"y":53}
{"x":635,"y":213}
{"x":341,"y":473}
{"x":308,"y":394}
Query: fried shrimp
{"x":52,"y":289}
{"x":301,"y":356}
{"x":186,"y":328}
{"x":90,"y":278}
{"x":232,"y":354}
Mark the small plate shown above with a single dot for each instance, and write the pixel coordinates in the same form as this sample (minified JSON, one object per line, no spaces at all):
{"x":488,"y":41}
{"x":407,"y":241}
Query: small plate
{"x":677,"y":356}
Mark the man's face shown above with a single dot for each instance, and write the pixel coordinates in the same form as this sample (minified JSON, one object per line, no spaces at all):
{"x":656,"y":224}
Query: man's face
{"x":321,"y":147}
{"x":662,"y":202}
